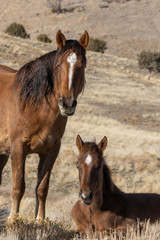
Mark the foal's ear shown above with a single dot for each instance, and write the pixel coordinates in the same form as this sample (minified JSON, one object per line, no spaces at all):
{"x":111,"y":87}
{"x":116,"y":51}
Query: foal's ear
{"x":60,"y":39}
{"x":84,"y":40}
{"x":103,"y":144}
{"x":79,"y":142}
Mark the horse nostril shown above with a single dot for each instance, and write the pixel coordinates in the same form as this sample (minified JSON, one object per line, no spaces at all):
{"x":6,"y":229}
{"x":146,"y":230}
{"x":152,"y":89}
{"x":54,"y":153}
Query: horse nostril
{"x":74,"y":104}
{"x":87,"y":195}
{"x":90,"y":195}
{"x":83,"y":196}
{"x":67,"y":103}
{"x":61,"y":102}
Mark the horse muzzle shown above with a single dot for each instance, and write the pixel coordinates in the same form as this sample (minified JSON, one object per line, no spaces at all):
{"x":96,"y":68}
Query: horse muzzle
{"x":86,"y":197}
{"x":67,"y":106}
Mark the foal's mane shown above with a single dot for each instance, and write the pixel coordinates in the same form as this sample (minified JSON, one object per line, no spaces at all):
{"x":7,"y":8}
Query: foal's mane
{"x":108,"y":185}
{"x":36,"y":78}
{"x":107,"y":180}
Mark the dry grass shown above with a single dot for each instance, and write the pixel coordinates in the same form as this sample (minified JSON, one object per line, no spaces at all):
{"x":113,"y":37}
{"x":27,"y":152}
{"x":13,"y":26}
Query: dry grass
{"x":22,"y":229}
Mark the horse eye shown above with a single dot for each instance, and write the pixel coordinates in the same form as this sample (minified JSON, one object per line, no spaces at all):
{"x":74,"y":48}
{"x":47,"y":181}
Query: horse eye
{"x":58,"y":66}
{"x":82,"y":66}
{"x":98,"y":167}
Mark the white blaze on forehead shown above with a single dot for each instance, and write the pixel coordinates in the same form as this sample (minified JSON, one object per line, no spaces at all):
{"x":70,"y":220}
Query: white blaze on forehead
{"x":88,"y":159}
{"x":71,"y":59}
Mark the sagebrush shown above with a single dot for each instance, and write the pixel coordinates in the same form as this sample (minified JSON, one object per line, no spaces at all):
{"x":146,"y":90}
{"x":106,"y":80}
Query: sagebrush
{"x":96,"y":45}
{"x":44,"y":38}
{"x":149,"y":60}
{"x":55,"y":5}
{"x":17,"y":30}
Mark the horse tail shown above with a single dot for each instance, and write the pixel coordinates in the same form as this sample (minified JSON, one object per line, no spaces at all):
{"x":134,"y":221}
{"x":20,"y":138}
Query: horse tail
{"x":3,"y":161}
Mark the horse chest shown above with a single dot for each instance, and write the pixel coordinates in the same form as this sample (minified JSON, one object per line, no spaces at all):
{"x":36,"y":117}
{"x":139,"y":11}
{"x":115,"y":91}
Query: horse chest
{"x":46,"y":138}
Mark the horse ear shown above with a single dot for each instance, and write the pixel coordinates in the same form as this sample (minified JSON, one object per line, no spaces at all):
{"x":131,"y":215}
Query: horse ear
{"x":84,"y":40}
{"x":103,"y":144}
{"x":60,"y":39}
{"x":79,"y":142}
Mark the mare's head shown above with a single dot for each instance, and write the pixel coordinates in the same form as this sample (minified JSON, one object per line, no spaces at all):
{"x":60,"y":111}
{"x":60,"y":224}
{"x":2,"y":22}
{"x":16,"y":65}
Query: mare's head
{"x":90,"y":165}
{"x":69,"y":68}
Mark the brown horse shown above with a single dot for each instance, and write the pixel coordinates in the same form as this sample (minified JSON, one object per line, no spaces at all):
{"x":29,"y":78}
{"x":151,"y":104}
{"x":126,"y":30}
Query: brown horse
{"x":35,"y":102}
{"x":103,"y":206}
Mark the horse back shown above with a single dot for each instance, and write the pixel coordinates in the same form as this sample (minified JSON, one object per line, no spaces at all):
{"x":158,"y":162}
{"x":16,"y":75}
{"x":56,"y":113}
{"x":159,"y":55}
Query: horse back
{"x":7,"y":69}
{"x":144,"y":206}
{"x":7,"y":76}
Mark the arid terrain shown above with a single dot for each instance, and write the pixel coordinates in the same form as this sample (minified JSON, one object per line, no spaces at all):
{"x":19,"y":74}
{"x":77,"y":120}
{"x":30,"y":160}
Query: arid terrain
{"x":119,"y":101}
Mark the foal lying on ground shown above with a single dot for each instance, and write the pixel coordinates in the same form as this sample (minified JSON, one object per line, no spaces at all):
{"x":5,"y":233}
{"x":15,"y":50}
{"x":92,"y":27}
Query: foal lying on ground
{"x":103,"y":206}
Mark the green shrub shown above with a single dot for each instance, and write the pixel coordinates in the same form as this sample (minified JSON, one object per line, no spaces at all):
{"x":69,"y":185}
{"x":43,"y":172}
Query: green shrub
{"x":96,"y":45}
{"x":149,"y":60}
{"x":17,"y":30}
{"x":44,"y":38}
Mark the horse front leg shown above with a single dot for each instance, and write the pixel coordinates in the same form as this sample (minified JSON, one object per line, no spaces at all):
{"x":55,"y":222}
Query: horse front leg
{"x":44,"y":170}
{"x":18,"y":177}
{"x":81,"y":218}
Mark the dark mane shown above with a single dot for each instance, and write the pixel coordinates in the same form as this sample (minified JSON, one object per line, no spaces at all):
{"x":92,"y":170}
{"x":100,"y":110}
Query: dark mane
{"x":108,"y":184}
{"x":36,"y":78}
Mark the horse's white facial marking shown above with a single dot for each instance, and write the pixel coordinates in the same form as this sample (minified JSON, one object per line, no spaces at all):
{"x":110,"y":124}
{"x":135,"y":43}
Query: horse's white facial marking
{"x":71,"y":59}
{"x":88,"y":159}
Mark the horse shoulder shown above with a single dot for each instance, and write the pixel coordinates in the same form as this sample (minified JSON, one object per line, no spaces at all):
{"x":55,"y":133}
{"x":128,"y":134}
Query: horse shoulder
{"x":40,"y":130}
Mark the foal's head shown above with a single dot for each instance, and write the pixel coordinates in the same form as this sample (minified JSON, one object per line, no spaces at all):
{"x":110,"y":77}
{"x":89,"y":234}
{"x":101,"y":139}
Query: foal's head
{"x":69,"y":67}
{"x":90,"y":165}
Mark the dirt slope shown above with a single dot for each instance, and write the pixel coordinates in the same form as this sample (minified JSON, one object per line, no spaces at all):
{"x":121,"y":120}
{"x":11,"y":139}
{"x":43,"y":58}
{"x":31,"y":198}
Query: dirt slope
{"x":127,"y":27}
{"x":119,"y":100}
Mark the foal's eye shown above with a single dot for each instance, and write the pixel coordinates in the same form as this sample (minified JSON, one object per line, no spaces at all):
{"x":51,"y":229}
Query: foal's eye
{"x":58,"y":66}
{"x":98,"y":167}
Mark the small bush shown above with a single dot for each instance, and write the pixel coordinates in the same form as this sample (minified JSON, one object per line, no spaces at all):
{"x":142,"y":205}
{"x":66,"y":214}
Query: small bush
{"x":55,"y":5}
{"x":96,"y":45}
{"x":44,"y":38}
{"x":149,"y":60}
{"x":17,"y":30}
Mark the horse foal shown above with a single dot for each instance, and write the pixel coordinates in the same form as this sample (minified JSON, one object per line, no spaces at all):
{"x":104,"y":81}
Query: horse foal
{"x":103,"y":206}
